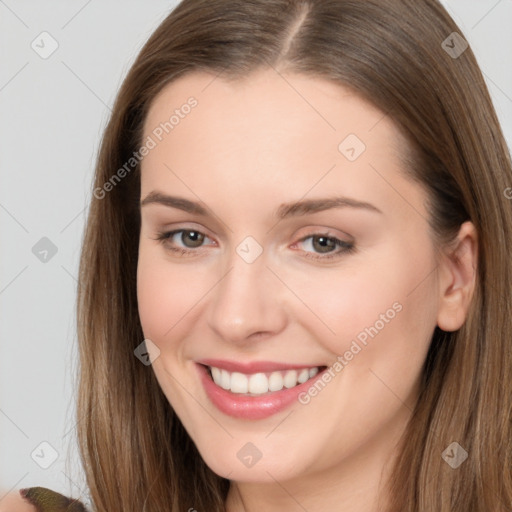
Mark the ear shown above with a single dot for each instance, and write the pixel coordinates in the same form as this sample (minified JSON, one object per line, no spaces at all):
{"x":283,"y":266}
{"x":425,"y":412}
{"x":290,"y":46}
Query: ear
{"x":457,"y":277}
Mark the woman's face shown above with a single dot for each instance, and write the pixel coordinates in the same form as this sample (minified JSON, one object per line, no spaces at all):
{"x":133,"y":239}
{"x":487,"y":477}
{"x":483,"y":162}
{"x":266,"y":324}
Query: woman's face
{"x":279,"y":233}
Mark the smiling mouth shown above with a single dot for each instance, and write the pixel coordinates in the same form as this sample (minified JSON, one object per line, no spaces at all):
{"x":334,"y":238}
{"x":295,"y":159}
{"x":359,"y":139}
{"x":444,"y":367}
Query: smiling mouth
{"x":261,"y":383}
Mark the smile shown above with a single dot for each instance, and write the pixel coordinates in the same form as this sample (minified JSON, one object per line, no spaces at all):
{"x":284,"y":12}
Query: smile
{"x":256,"y":390}
{"x":260,"y":383}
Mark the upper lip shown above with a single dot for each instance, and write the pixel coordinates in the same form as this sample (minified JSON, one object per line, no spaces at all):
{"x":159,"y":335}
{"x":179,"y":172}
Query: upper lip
{"x":253,"y":366}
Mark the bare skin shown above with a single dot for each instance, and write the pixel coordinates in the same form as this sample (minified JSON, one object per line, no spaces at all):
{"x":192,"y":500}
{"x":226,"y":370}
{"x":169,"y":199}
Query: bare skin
{"x":13,"y":502}
{"x":246,"y":148}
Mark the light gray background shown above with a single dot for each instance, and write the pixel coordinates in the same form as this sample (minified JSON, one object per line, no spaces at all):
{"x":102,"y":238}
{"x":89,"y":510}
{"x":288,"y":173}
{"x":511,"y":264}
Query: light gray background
{"x":53,"y":112}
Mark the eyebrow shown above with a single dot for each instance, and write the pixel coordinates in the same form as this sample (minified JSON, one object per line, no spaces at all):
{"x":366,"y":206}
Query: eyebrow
{"x":174,"y":202}
{"x":285,"y":210}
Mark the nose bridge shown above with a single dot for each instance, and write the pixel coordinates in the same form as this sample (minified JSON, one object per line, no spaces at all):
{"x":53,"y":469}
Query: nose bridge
{"x":246,"y":300}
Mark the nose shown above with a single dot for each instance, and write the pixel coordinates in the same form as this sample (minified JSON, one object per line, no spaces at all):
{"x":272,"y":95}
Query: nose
{"x":248,"y":303}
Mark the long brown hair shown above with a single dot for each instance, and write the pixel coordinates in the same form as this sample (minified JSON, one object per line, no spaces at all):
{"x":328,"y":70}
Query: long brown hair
{"x":136,"y":454}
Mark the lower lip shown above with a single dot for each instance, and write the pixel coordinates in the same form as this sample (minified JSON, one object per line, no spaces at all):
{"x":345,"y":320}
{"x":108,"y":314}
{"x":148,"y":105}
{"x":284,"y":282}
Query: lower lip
{"x":251,"y":407}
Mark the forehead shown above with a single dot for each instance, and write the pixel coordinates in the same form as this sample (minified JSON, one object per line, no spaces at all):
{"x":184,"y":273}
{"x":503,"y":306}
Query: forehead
{"x":272,"y":100}
{"x":265,"y":130}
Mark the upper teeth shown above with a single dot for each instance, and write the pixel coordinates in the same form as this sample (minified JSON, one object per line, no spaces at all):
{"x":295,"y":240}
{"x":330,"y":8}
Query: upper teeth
{"x":260,"y":383}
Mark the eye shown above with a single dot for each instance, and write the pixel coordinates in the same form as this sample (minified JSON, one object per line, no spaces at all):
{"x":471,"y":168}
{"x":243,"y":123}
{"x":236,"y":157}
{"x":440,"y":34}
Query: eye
{"x":322,"y":246}
{"x":318,"y":246}
{"x":183,"y":241}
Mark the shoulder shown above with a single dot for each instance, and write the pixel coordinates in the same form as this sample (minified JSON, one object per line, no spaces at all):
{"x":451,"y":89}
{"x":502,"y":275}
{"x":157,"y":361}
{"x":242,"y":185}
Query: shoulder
{"x":14,"y":502}
{"x":39,"y":499}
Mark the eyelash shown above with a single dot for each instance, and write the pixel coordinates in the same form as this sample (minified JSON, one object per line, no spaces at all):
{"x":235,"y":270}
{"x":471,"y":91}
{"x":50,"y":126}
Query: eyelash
{"x":344,"y":247}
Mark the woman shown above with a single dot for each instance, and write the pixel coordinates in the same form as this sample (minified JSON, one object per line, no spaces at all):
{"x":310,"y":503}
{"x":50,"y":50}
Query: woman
{"x":294,"y":287}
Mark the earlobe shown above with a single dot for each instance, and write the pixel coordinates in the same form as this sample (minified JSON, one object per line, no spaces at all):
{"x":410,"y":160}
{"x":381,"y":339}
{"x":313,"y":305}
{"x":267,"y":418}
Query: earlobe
{"x":457,"y":279}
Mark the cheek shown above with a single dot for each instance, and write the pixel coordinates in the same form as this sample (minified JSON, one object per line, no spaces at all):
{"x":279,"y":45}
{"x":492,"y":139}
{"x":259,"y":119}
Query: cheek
{"x":342,"y":302}
{"x":165,"y":299}
{"x":166,"y":295}
{"x":154,"y":292}
{"x":386,"y":307}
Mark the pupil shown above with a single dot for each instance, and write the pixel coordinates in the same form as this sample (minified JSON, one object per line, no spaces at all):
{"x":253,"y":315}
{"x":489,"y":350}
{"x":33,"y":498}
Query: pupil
{"x":324,"y":244}
{"x":194,"y":237}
